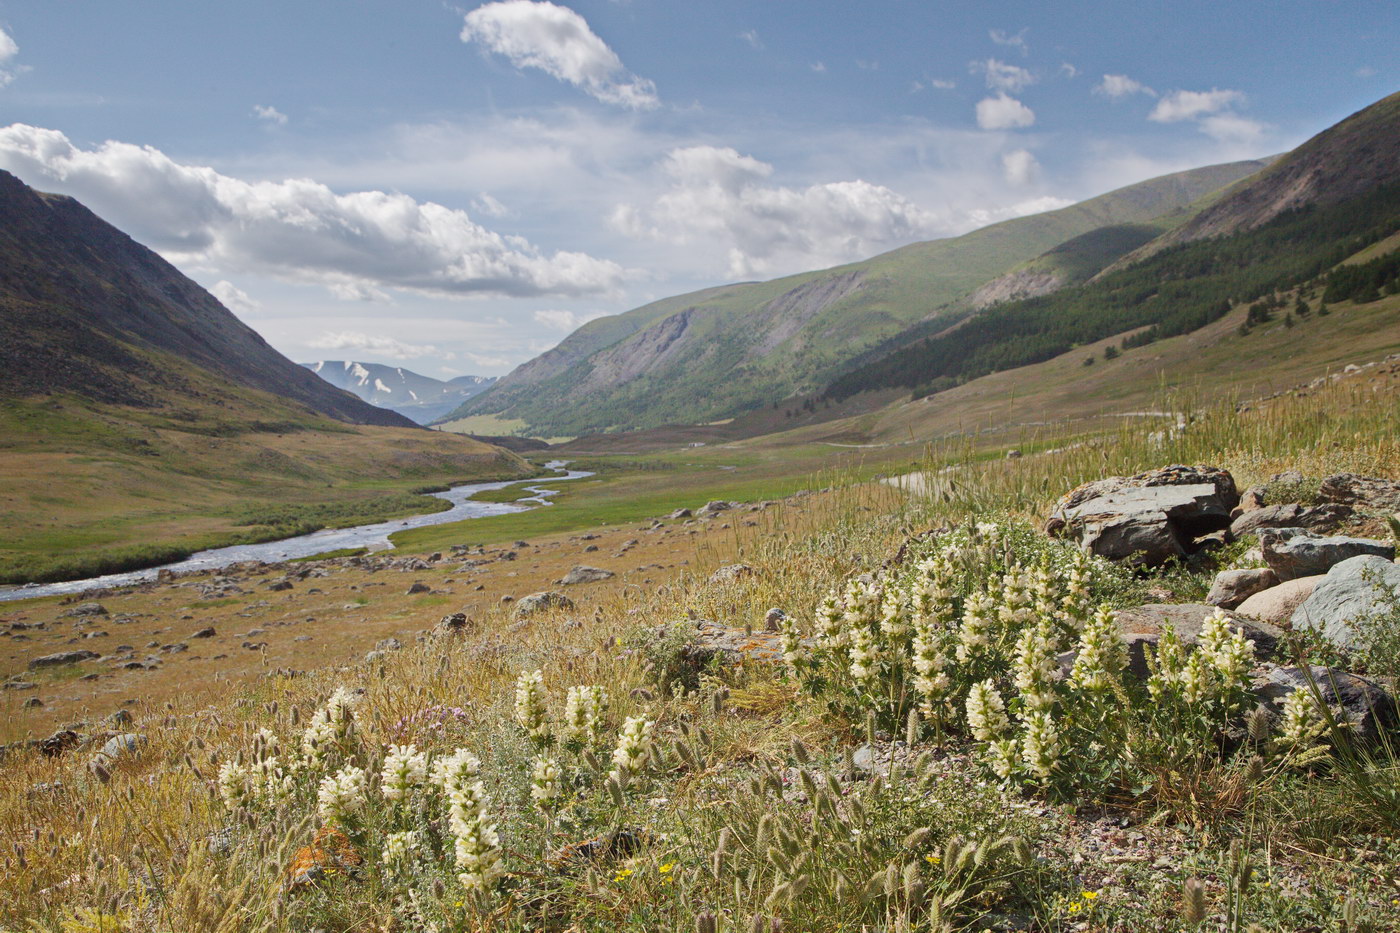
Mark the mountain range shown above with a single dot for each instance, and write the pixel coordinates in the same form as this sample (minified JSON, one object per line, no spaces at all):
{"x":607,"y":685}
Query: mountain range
{"x":413,"y":395}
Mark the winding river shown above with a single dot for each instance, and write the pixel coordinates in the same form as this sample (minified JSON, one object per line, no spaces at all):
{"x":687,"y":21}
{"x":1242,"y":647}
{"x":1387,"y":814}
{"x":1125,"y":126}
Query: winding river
{"x":375,"y":537}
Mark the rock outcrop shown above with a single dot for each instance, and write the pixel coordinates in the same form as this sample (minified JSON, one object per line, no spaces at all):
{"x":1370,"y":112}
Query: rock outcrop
{"x":1351,"y":595}
{"x":1293,"y":552}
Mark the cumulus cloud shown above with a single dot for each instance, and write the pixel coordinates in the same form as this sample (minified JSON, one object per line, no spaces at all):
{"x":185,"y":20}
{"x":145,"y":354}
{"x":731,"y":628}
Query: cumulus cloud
{"x":1002,"y":76}
{"x":565,"y":320}
{"x":234,"y":298}
{"x":485,"y":204}
{"x":383,"y":346}
{"x":8,"y":50}
{"x":1192,"y":105}
{"x":1003,"y":113}
{"x":559,"y":42}
{"x":298,"y":230}
{"x":983,"y":216}
{"x":1020,"y":167}
{"x":1117,"y":87}
{"x":269,"y":115}
{"x":720,"y":197}
{"x":1231,"y":128}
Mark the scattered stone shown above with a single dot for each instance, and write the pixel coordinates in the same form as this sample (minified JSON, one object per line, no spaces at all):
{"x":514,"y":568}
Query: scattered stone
{"x":388,"y":644}
{"x":1149,"y":518}
{"x":207,"y":632}
{"x":731,"y":645}
{"x":32,"y":703}
{"x":1324,"y":517}
{"x":715,"y":507}
{"x":1350,"y":596}
{"x":454,"y":624}
{"x":1276,"y":604}
{"x":1363,"y":703}
{"x":85,"y":609}
{"x":279,"y":586}
{"x":1293,"y":553}
{"x":374,"y":657}
{"x":62,"y":658}
{"x":584,"y":574}
{"x":540,"y":602}
{"x":1232,"y":587}
{"x":19,"y":685}
{"x":419,"y":587}
{"x":58,"y":743}
{"x":681,"y":513}
{"x":120,"y":718}
{"x":589,"y":549}
{"x":731,"y":573}
{"x":175,"y":648}
{"x":1365,"y":492}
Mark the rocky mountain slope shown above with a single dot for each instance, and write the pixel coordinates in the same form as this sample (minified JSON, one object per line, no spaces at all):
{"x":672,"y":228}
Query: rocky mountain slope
{"x":413,"y":395}
{"x":718,"y":353}
{"x":85,"y":309}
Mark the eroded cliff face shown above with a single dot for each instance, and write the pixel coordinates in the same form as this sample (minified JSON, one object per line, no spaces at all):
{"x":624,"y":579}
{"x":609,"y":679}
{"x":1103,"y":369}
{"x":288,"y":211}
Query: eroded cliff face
{"x":1013,"y":286}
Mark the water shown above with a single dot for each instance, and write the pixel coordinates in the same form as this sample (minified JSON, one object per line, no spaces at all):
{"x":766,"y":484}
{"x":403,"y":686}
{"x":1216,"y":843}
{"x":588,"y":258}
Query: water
{"x":375,"y":537}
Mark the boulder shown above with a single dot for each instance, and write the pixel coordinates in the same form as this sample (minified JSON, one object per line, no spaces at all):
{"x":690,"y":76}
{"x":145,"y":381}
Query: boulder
{"x":1149,"y":518}
{"x":1291,"y":515}
{"x":1352,"y":593}
{"x":1232,"y":587}
{"x":1363,"y":492}
{"x":583,"y":574}
{"x":1363,"y":703}
{"x":681,"y":513}
{"x":540,"y":602}
{"x":388,"y":644}
{"x":729,"y":573}
{"x":207,"y":632}
{"x":418,"y":587}
{"x":1142,"y":626}
{"x":715,"y":507}
{"x":85,"y":609}
{"x":1293,"y":552}
{"x":61,"y":658}
{"x":1276,"y":604}
{"x":126,"y":745}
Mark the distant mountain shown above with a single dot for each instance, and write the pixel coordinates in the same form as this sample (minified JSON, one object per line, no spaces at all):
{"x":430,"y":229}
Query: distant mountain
{"x":85,"y":309}
{"x":721,"y":352}
{"x":1334,"y":199}
{"x":421,"y":398}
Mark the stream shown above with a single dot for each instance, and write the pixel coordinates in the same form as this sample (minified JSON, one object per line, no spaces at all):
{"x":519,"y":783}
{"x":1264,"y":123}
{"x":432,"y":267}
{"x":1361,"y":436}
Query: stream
{"x":375,"y":537}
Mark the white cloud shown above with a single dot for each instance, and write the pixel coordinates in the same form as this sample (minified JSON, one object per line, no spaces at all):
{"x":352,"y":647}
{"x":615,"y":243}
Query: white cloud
{"x":1000,"y":37}
{"x":1020,"y":167}
{"x":1231,"y":128}
{"x":383,"y":346}
{"x":1002,"y":76}
{"x":560,"y":43}
{"x":270,"y":114}
{"x":751,"y":37}
{"x":819,"y":67}
{"x":8,"y":50}
{"x":984,"y":216}
{"x":1365,"y":71}
{"x":234,"y":298}
{"x":1191,"y":105}
{"x":1003,"y":113}
{"x":721,"y":198}
{"x":943,"y":84}
{"x":485,"y":204}
{"x":1117,"y":87}
{"x":565,"y":320}
{"x":298,"y":230}
{"x":1068,"y":70}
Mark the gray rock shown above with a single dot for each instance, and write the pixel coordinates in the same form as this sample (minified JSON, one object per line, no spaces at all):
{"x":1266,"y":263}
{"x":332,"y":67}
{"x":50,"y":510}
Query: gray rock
{"x":279,"y":586}
{"x":1276,"y":604}
{"x":1291,"y":515}
{"x":1293,"y":553}
{"x":1142,"y":626}
{"x":449,"y":625}
{"x":374,"y":657}
{"x":1149,"y":518}
{"x":388,"y":644}
{"x":417,"y":588}
{"x":61,"y":658}
{"x":207,"y":632}
{"x":729,"y":573}
{"x":540,"y":602}
{"x":583,"y":574}
{"x":126,"y":745}
{"x":1232,"y":587}
{"x":715,"y":507}
{"x":1353,"y":593}
{"x":681,"y":513}
{"x":86,"y":609}
{"x":1368,"y":707}
{"x":1363,"y":492}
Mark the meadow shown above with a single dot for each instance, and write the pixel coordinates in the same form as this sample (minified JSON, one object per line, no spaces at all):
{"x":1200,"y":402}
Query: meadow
{"x":577,"y":770}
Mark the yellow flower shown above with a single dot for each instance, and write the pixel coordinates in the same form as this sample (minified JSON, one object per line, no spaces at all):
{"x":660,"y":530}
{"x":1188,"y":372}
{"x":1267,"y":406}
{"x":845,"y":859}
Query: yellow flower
{"x":1089,"y":895}
{"x":664,"y":869}
{"x":932,"y":859}
{"x":622,"y":875}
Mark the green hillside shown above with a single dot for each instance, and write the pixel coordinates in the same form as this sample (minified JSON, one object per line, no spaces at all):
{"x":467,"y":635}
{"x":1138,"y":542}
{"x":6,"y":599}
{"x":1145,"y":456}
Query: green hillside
{"x":719,"y":353}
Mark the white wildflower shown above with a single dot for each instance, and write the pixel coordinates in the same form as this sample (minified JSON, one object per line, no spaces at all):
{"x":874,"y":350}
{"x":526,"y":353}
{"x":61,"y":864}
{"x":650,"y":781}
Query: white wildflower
{"x":233,"y":784}
{"x":272,"y":785}
{"x":456,"y":770}
{"x":341,"y":795}
{"x":529,"y":705}
{"x":1303,"y":722}
{"x":1006,"y":757}
{"x":830,"y":623}
{"x":1228,"y":651}
{"x":400,"y":847}
{"x":978,"y":626}
{"x":583,"y":714}
{"x":405,"y":769}
{"x":986,"y":713}
{"x":795,"y":653}
{"x":330,"y":727}
{"x":1040,"y":744}
{"x":1102,"y":654}
{"x":1034,"y":669}
{"x":633,"y":747}
{"x":476,"y":844}
{"x":545,"y":783}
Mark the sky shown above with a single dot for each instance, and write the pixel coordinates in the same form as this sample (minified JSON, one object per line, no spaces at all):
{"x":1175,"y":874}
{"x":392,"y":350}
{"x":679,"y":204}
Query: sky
{"x":455,"y":188}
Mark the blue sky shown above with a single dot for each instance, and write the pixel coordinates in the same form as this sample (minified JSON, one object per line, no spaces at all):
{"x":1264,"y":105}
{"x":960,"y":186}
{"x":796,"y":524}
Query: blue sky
{"x":454,"y":188}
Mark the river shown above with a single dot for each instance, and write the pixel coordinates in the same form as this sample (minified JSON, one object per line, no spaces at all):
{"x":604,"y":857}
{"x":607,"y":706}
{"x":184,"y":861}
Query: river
{"x":375,"y":537}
